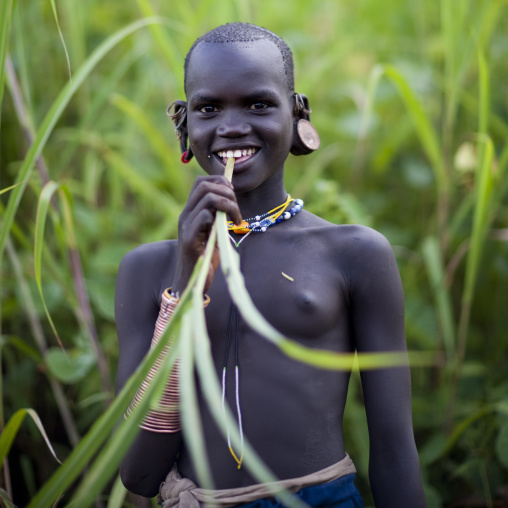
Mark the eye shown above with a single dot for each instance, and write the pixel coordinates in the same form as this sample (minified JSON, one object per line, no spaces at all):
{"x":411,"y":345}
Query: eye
{"x":208,"y":109}
{"x":258,"y":105}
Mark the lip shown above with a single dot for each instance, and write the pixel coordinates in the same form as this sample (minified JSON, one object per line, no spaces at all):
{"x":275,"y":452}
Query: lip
{"x":247,"y":153}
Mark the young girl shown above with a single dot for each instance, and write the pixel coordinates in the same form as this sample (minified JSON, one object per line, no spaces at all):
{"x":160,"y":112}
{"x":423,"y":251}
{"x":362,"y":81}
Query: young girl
{"x":326,"y":286}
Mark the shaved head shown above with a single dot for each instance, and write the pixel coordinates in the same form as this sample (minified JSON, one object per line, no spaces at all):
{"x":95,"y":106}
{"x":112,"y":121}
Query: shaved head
{"x":232,"y":33}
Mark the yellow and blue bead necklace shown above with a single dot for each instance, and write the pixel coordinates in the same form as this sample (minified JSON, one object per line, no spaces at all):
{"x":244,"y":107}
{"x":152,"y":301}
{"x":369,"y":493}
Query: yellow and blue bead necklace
{"x":260,"y":223}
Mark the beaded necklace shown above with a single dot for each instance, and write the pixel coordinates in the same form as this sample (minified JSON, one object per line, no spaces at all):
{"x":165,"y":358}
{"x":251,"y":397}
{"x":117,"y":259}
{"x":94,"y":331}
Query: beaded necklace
{"x":260,"y":223}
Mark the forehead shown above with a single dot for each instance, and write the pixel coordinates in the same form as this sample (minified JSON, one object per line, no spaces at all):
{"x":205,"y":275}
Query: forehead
{"x":244,"y":64}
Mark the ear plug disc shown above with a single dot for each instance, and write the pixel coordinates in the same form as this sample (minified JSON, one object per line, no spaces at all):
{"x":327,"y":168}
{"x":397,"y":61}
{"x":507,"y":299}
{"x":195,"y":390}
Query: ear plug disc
{"x":308,"y":134}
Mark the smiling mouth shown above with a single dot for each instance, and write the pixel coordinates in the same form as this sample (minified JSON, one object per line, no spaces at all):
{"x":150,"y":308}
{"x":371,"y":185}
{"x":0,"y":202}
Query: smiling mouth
{"x":240,"y":155}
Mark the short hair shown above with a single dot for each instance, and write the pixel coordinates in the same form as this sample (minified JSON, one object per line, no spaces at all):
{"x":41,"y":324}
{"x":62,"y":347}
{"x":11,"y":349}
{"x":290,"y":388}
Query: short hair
{"x":245,"y":32}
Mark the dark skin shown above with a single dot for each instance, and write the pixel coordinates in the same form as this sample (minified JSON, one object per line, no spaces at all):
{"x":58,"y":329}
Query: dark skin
{"x":346,"y":296}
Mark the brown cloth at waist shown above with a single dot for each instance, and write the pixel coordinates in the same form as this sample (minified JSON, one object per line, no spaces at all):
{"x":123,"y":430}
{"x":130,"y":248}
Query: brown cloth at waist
{"x":178,"y":492}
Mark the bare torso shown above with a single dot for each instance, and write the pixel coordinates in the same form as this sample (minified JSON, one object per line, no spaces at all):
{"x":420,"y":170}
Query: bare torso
{"x":292,"y":412}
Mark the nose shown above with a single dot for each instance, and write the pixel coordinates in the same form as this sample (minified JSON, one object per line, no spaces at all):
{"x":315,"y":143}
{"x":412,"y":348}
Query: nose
{"x":233,"y":124}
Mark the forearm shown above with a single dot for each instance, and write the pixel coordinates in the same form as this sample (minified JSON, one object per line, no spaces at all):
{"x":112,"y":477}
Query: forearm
{"x":148,"y":461}
{"x":155,"y":449}
{"x":395,"y":477}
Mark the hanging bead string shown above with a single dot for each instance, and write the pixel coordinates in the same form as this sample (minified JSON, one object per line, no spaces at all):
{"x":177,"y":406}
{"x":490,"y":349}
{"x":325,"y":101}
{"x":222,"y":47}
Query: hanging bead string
{"x":233,"y":316}
{"x":237,"y":244}
{"x":260,"y":223}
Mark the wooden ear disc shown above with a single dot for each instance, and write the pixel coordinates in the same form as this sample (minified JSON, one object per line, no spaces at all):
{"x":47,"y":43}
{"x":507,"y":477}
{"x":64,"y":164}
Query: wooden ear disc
{"x":308,"y":135}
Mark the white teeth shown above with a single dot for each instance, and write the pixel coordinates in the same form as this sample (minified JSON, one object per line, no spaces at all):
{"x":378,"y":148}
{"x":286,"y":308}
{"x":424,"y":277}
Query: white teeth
{"x":226,"y":154}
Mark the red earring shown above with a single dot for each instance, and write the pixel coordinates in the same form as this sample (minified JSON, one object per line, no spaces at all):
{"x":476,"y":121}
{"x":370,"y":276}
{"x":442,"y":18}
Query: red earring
{"x":184,"y":157}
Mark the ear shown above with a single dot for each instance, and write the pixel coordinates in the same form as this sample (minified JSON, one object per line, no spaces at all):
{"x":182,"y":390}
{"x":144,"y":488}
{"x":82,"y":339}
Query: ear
{"x":305,"y":136}
{"x":179,"y":118}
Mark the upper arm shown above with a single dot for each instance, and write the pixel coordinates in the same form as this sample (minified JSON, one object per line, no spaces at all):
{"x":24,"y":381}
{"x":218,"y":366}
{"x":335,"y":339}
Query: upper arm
{"x":139,"y":280}
{"x":377,"y":319}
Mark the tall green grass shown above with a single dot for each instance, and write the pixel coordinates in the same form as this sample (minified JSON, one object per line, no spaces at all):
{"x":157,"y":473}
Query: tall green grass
{"x":411,"y":109}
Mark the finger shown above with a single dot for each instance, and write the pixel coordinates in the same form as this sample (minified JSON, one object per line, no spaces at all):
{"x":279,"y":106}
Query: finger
{"x":209,"y":184}
{"x":211,"y":201}
{"x":194,"y":232}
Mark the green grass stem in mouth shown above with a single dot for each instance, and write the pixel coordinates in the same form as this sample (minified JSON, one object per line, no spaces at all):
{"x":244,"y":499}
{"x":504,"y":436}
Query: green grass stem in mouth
{"x":228,"y":172}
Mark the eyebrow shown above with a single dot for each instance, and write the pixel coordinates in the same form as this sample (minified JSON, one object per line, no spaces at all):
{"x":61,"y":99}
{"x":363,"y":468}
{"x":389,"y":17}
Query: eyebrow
{"x":200,"y":99}
{"x":265,"y":94}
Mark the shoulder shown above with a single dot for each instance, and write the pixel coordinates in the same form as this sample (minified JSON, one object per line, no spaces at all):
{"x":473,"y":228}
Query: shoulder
{"x":147,"y":268}
{"x":148,"y":254}
{"x":349,"y":238}
{"x":363,"y":240}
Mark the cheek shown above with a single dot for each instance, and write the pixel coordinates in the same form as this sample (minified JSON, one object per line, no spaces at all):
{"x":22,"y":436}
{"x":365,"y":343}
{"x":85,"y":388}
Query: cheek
{"x":280,"y":133}
{"x":198,"y":133}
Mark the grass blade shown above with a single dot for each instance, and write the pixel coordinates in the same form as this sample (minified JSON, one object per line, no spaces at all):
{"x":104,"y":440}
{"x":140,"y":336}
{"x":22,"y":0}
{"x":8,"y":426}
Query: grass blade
{"x":320,"y":358}
{"x":191,"y":419}
{"x":11,"y":429}
{"x":6,"y":499}
{"x":40,"y":222}
{"x":117,"y":494}
{"x":212,"y":392}
{"x":168,"y":49}
{"x":7,"y":189}
{"x":480,"y":219}
{"x":483,"y":186}
{"x":176,"y":176}
{"x":55,"y":14}
{"x":5,"y":29}
{"x":435,"y":269}
{"x":422,"y":125}
{"x":107,"y":463}
{"x":54,"y":114}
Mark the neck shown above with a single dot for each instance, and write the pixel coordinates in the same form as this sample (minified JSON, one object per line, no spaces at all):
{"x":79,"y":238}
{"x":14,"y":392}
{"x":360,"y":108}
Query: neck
{"x":263,"y":198}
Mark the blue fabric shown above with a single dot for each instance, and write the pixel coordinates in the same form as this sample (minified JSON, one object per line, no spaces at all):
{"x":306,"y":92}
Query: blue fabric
{"x":341,"y":492}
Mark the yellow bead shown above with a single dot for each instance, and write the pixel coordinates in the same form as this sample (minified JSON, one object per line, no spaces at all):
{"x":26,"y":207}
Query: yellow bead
{"x":241,"y":228}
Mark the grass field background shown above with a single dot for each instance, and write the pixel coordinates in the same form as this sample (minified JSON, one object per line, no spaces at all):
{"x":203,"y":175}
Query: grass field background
{"x":411,"y":105}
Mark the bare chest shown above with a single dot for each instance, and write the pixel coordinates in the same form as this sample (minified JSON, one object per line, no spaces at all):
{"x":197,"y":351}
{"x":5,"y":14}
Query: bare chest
{"x":297,"y":284}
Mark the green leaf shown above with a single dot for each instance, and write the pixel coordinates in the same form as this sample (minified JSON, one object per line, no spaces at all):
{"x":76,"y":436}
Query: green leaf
{"x":433,"y":449}
{"x":12,"y":427}
{"x":22,"y":346}
{"x":502,"y":445}
{"x":71,"y":366}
